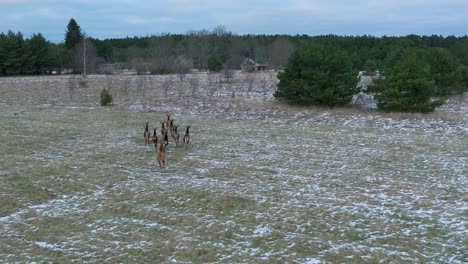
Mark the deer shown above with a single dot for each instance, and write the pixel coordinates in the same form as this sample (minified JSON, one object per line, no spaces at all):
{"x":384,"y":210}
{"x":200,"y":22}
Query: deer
{"x":166,"y":140}
{"x":163,"y":128}
{"x":168,"y":121}
{"x":171,"y":125}
{"x":175,"y":135}
{"x":147,"y":134}
{"x":187,"y":135}
{"x":155,"y":139}
{"x":161,"y":155}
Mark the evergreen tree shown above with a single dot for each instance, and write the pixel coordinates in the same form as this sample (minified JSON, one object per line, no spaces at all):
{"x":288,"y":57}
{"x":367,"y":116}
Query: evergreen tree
{"x":214,"y":63}
{"x":106,"y":97}
{"x":370,"y":66}
{"x":317,"y":74}
{"x":443,"y":69}
{"x":3,"y":53}
{"x":39,"y":48}
{"x":408,"y":87}
{"x":73,"y":34}
{"x":462,"y":79}
{"x":13,"y":54}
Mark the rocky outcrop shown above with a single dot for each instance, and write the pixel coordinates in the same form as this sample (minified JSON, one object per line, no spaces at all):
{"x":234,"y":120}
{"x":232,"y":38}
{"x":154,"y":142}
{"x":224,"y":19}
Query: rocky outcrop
{"x":364,"y":99}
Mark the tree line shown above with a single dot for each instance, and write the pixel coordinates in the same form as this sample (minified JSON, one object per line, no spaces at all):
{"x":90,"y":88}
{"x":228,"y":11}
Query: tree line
{"x":419,"y":71}
{"x":194,"y":49}
{"x":166,"y":53}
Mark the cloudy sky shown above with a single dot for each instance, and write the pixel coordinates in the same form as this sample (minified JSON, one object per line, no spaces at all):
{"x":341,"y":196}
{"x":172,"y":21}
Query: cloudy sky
{"x":120,"y":18}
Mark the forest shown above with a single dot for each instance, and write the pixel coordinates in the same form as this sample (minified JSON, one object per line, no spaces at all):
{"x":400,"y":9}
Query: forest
{"x":36,"y":55}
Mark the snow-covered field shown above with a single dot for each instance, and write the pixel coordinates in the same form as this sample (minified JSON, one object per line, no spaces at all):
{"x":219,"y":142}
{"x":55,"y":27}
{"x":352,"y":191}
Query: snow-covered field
{"x":261,"y":182}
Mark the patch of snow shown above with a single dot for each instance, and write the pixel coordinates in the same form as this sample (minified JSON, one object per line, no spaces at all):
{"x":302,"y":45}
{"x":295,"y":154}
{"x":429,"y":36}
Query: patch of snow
{"x":262,"y":230}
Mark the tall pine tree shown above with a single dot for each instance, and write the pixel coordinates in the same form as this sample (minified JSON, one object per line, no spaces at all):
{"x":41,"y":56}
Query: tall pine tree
{"x":73,"y":34}
{"x":39,"y":50}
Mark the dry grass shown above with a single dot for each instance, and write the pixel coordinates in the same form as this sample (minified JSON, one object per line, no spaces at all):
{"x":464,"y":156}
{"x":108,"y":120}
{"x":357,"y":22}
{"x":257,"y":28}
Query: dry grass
{"x":262,"y":182}
{"x":78,"y":184}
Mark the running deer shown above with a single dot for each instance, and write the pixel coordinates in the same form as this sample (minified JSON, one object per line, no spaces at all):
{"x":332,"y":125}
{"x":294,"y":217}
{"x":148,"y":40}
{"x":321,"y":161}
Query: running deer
{"x":155,"y":139}
{"x":168,"y":121}
{"x":187,"y":135}
{"x":166,"y":140}
{"x":147,"y":134}
{"x":171,"y":126}
{"x":161,"y":156}
{"x":163,"y":129}
{"x":175,"y":135}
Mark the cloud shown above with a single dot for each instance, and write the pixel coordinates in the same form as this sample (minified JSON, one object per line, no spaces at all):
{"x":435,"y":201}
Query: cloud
{"x":49,"y":13}
{"x":130,"y":17}
{"x":150,"y":21}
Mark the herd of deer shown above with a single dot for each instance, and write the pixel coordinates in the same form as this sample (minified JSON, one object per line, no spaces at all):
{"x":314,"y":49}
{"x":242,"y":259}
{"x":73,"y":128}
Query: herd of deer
{"x":166,"y":127}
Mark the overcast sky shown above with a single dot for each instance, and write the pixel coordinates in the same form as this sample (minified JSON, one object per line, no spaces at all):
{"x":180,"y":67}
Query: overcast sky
{"x":120,"y":18}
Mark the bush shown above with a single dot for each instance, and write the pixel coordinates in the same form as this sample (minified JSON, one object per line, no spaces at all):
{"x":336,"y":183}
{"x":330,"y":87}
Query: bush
{"x":317,"y":74}
{"x":214,"y":63}
{"x":106,"y":97}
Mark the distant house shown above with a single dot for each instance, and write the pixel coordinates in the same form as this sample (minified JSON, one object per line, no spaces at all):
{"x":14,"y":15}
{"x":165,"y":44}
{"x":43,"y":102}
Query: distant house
{"x":251,"y":66}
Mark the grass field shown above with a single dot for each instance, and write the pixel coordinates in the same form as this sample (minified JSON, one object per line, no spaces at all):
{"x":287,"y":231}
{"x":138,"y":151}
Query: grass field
{"x":79,"y":185}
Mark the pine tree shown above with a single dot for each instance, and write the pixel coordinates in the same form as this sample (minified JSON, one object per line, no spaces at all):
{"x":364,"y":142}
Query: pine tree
{"x":13,"y":54}
{"x":73,"y":34}
{"x":443,"y":69}
{"x":407,"y":87}
{"x":317,"y":74}
{"x":106,"y":97}
{"x":214,"y":63}
{"x":39,"y":48}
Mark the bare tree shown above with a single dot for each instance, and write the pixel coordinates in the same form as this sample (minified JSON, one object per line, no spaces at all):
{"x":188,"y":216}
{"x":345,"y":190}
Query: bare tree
{"x":265,"y":87}
{"x":72,"y":85}
{"x":125,"y":86}
{"x":109,"y":82}
{"x":194,"y":83}
{"x":84,"y":57}
{"x":160,"y":46}
{"x":250,"y":80}
{"x":228,"y":75}
{"x":235,"y":60}
{"x":140,"y":84}
{"x":213,"y":82}
{"x":198,"y":48}
{"x":167,"y":85}
{"x":279,"y":52}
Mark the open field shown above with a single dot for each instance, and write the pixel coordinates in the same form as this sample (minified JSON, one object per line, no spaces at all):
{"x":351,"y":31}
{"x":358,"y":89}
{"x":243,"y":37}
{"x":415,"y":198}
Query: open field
{"x":260,"y":183}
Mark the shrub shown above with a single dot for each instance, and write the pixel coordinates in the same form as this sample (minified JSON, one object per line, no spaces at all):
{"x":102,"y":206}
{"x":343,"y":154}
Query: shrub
{"x":106,"y":97}
{"x":214,"y":63}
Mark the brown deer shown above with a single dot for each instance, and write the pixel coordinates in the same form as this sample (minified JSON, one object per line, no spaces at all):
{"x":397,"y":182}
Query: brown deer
{"x":187,"y":135}
{"x":147,"y":134}
{"x":168,"y":121}
{"x":163,"y":128}
{"x":161,"y":155}
{"x":171,"y":126}
{"x":155,"y":139}
{"x":175,"y":135}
